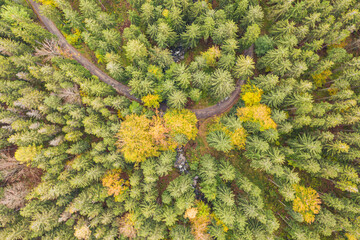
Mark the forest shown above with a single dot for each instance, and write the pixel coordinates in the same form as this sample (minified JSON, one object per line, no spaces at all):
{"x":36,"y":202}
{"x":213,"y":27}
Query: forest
{"x":179,"y":119}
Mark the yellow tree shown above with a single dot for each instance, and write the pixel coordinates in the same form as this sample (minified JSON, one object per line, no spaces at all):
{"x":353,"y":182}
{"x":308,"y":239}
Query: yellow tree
{"x":126,"y":226}
{"x":151,"y":101}
{"x":237,"y":135}
{"x":251,"y":95}
{"x":306,"y":202}
{"x":115,"y":184}
{"x":258,"y":113}
{"x":135,"y":140}
{"x":238,"y":138}
{"x":27,"y":154}
{"x":211,"y":55}
{"x":160,"y":134}
{"x":141,"y":138}
{"x":254,"y":111}
{"x":181,"y":122}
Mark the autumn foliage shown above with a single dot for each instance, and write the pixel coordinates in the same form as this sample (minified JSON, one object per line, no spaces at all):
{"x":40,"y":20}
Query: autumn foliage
{"x":141,"y":137}
{"x":200,"y":218}
{"x":126,"y":226}
{"x":151,"y":101}
{"x":114,"y":183}
{"x":254,"y":111}
{"x":211,"y":56}
{"x":27,"y":154}
{"x":181,"y":122}
{"x":306,"y":202}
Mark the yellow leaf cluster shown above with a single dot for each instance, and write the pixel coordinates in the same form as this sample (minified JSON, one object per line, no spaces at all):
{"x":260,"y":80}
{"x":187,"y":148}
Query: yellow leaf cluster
{"x":73,"y":38}
{"x":151,"y":101}
{"x":190,"y":213}
{"x":114,"y":183}
{"x":181,"y":122}
{"x":135,"y":140}
{"x":156,"y":71}
{"x":251,"y":95}
{"x":350,"y":236}
{"x":27,"y":154}
{"x":211,"y":55}
{"x":258,"y":113}
{"x":320,"y":79}
{"x":140,"y":137}
{"x":342,"y":44}
{"x":165,"y":13}
{"x":306,"y":202}
{"x":220,"y":223}
{"x":238,"y":138}
{"x":48,"y":2}
{"x":119,"y":114}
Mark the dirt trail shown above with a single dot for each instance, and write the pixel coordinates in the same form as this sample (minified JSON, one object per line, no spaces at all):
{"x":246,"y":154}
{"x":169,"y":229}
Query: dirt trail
{"x":122,"y":89}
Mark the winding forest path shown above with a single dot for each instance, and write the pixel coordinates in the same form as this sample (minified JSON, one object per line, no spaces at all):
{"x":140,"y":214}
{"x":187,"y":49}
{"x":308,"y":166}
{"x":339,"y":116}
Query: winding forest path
{"x":122,"y":89}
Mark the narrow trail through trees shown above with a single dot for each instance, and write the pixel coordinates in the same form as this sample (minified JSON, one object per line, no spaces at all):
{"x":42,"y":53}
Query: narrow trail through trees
{"x":122,"y":89}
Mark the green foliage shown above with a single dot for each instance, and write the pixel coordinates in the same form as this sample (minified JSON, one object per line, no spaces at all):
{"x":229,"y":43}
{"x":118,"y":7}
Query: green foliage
{"x":222,"y":84}
{"x":299,"y":126}
{"x":263,"y":44}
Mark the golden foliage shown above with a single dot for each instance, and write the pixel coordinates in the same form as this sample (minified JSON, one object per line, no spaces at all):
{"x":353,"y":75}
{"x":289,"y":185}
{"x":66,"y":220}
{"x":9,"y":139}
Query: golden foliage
{"x":181,"y":122}
{"x":251,"y":95}
{"x":135,"y":140}
{"x":48,"y":2}
{"x":350,"y":236}
{"x":140,"y":137}
{"x":73,"y":38}
{"x":151,"y":101}
{"x":165,"y":13}
{"x":27,"y":154}
{"x":238,"y":138}
{"x":114,"y":183}
{"x":220,"y":223}
{"x":320,"y":79}
{"x":211,"y":55}
{"x":119,"y":114}
{"x":258,"y":113}
{"x":306,"y":202}
{"x":160,"y":134}
{"x":156,"y":71}
{"x":126,"y":226}
{"x":254,"y":111}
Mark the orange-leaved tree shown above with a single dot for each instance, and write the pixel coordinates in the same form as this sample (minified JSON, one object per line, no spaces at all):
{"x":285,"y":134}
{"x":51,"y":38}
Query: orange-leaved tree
{"x":115,"y":184}
{"x":200,"y":218}
{"x":306,"y":202}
